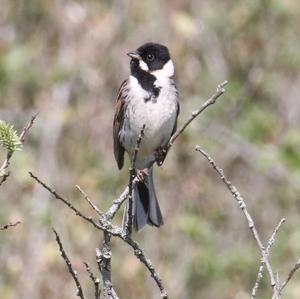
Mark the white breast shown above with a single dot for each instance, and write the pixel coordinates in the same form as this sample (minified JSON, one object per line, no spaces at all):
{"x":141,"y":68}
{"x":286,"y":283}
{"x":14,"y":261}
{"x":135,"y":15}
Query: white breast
{"x":157,"y":114}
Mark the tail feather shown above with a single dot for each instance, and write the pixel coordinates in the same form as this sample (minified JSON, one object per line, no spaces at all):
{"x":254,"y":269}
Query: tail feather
{"x":146,"y":207}
{"x":141,"y":205}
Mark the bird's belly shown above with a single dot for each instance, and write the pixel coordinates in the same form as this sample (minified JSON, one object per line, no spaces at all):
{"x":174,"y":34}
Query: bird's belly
{"x":158,"y":117}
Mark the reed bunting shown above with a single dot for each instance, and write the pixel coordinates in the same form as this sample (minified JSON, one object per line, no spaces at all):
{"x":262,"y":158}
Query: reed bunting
{"x":148,"y":97}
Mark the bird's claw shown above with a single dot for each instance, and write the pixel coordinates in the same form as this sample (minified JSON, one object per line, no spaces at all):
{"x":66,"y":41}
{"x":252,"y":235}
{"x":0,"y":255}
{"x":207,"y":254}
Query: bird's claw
{"x":141,"y":174}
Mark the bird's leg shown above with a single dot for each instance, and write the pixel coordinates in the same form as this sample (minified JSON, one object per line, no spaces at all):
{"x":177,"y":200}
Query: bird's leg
{"x":160,"y":155}
{"x":142,"y":173}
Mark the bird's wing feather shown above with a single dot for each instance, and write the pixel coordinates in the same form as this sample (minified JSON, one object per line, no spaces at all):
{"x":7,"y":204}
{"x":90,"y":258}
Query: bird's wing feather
{"x":177,"y":113}
{"x":161,"y":154}
{"x":118,"y":122}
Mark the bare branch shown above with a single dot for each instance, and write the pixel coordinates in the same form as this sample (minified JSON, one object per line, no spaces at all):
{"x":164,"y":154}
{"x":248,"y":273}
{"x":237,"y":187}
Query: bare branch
{"x":141,"y":256}
{"x":262,"y":264}
{"x":94,"y":279}
{"x":5,"y":165}
{"x":258,"y":279}
{"x":132,"y":172}
{"x":8,"y":225}
{"x":220,"y":90}
{"x":291,"y":274}
{"x":233,"y":190}
{"x":69,"y":265}
{"x":5,"y":174}
{"x":104,"y":263}
{"x":104,"y":227}
{"x":106,"y":275}
{"x":94,"y":207}
{"x":272,"y":239}
{"x":27,"y":127}
{"x":107,"y":227}
{"x":99,"y":259}
{"x":137,"y":147}
{"x":117,"y":203}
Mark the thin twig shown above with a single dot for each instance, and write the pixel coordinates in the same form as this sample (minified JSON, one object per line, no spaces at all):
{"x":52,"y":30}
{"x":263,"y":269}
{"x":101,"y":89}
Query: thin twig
{"x":27,"y":128}
{"x":94,"y":279}
{"x":6,"y":162}
{"x":291,"y":274}
{"x":94,"y":207}
{"x":117,"y":203}
{"x":258,"y":279}
{"x":272,"y":239}
{"x":220,"y":90}
{"x":139,"y":253}
{"x":107,"y":226}
{"x":69,"y":265}
{"x":8,"y":225}
{"x":233,"y":190}
{"x":262,"y":264}
{"x":132,"y":172}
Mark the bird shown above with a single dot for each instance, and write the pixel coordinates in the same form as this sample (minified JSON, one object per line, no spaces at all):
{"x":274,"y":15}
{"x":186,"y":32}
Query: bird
{"x":148,"y":98}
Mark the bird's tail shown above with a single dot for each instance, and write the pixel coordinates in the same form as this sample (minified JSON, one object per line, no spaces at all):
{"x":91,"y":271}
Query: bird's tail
{"x":145,"y":205}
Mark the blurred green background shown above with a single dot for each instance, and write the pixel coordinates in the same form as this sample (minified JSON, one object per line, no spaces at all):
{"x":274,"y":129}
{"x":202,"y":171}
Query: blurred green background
{"x":66,"y":59}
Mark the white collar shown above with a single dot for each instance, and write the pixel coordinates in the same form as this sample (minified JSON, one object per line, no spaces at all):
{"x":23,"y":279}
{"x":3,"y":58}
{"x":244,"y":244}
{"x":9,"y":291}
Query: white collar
{"x":164,"y":74}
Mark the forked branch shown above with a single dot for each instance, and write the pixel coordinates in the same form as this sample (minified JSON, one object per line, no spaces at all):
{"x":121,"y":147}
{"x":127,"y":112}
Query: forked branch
{"x":275,"y":284}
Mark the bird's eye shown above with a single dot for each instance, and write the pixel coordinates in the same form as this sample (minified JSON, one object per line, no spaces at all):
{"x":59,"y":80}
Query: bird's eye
{"x":150,"y":57}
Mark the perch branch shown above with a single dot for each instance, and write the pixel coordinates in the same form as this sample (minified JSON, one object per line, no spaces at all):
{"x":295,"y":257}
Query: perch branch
{"x":220,"y":90}
{"x":132,"y":172}
{"x":69,"y":265}
{"x":106,"y":226}
{"x":117,"y":203}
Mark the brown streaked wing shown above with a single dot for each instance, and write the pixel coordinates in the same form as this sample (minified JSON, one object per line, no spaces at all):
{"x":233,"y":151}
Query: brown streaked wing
{"x":118,"y":122}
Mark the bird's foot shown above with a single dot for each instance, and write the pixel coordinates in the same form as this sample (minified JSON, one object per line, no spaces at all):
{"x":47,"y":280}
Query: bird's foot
{"x":142,"y":173}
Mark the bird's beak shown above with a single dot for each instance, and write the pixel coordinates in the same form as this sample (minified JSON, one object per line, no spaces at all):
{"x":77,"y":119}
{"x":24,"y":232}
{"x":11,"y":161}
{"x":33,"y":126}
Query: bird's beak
{"x":134,"y":54}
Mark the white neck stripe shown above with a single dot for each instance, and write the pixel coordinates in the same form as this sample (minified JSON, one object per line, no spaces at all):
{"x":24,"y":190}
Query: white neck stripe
{"x":143,"y":65}
{"x":166,"y":72}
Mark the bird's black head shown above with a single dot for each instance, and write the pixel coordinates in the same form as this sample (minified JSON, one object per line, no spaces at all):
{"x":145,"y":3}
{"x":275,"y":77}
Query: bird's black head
{"x":149,"y":57}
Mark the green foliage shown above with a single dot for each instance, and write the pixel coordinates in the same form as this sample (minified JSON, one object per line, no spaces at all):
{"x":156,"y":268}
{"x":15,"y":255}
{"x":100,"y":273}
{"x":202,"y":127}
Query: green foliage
{"x":9,"y":138}
{"x":291,"y":149}
{"x":257,"y":123}
{"x":195,"y":228}
{"x":204,"y":268}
